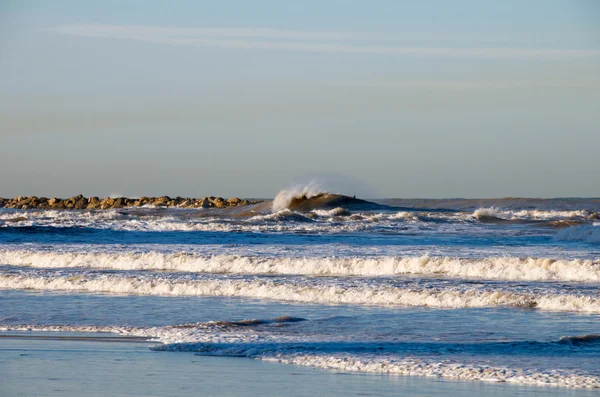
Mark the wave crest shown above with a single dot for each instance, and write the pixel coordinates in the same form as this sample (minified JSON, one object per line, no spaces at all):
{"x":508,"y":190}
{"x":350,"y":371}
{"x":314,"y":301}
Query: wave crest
{"x":299,"y":292}
{"x":286,"y":197}
{"x":583,"y":233}
{"x":493,"y":268}
{"x":581,"y":340}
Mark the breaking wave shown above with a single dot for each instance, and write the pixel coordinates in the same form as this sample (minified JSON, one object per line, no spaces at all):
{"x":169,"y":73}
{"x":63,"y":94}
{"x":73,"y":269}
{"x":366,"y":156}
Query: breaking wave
{"x":321,"y":293}
{"x":495,"y":214}
{"x":328,"y":219}
{"x":323,"y":213}
{"x":493,"y":268}
{"x":284,"y":215}
{"x":310,"y":197}
{"x":287,"y":197}
{"x":487,"y":213}
{"x":583,"y":233}
{"x":581,"y":340}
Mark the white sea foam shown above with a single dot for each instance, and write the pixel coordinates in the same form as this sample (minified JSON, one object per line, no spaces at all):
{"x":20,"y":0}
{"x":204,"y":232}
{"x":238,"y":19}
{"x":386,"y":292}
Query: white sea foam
{"x":339,"y":211}
{"x":293,"y":291}
{"x":283,"y":220}
{"x":432,"y":368}
{"x":493,"y":268}
{"x":583,"y":233}
{"x":333,"y":220}
{"x":548,"y":214}
{"x":491,"y":212}
{"x":285,"y":197}
{"x":281,"y":216}
{"x":540,"y":215}
{"x":208,"y":332}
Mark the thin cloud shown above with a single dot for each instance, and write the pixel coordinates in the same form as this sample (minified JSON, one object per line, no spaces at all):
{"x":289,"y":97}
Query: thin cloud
{"x":305,"y":41}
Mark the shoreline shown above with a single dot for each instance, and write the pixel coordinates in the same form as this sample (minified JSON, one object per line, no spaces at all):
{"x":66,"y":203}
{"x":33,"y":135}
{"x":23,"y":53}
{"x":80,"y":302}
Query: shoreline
{"x":39,"y":336}
{"x":25,"y":371}
{"x":81,"y":202}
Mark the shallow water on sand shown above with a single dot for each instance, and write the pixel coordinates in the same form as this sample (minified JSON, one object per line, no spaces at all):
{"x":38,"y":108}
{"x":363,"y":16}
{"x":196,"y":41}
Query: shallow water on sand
{"x":71,"y":368}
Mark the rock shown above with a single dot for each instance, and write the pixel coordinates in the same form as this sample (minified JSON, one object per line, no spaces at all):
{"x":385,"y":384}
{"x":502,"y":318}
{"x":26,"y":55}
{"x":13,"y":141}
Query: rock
{"x":219,"y":202}
{"x":58,"y":204}
{"x":233,"y":201}
{"x":119,"y":203}
{"x":25,"y":201}
{"x":205,"y":203}
{"x":80,"y":202}
{"x":107,"y":203}
{"x":161,"y":201}
{"x":93,"y":203}
{"x":77,"y":202}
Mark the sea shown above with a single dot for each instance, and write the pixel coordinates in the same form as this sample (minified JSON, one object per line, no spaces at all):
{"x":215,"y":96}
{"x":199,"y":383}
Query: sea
{"x":495,"y":292}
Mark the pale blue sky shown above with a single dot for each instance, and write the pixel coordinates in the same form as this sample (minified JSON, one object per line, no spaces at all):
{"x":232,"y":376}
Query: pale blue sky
{"x":190,"y":98}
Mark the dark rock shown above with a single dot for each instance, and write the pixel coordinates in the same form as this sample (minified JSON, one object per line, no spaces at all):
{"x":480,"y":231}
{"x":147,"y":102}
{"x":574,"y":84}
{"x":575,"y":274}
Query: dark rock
{"x":205,"y":203}
{"x":119,"y":203}
{"x":81,"y":204}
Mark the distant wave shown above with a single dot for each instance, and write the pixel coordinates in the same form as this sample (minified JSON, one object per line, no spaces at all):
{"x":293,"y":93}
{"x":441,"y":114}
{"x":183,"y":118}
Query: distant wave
{"x":287,"y":197}
{"x":487,"y":213}
{"x":497,"y":214}
{"x":322,"y":293}
{"x":335,"y":219}
{"x":583,"y":233}
{"x":321,"y":213}
{"x":493,"y":268}
{"x":284,"y":215}
{"x":312,"y":196}
{"x":581,"y":339}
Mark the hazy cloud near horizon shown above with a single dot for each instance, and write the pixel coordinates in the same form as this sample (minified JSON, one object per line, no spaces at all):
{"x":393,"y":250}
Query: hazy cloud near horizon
{"x":330,"y":42}
{"x":405,"y":100}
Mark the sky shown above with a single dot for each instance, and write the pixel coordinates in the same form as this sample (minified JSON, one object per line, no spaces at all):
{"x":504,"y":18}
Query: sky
{"x":236,"y":98}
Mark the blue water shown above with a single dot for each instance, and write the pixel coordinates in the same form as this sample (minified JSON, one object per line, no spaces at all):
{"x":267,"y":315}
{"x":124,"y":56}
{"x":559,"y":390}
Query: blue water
{"x":504,"y":294}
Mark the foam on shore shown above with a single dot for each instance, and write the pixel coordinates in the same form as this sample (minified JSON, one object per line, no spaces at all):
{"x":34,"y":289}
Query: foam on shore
{"x":214,"y":339}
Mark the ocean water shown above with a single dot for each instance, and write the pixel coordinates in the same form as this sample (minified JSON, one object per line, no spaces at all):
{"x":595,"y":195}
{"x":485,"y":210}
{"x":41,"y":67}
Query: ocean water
{"x":472,"y":290}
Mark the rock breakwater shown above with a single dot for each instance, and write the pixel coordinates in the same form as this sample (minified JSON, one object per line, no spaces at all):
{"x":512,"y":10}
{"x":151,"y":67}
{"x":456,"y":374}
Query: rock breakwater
{"x":81,"y":202}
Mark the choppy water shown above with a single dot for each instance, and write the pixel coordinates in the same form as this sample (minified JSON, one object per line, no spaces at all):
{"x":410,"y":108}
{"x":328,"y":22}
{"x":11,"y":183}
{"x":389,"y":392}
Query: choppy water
{"x":505,"y":290}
